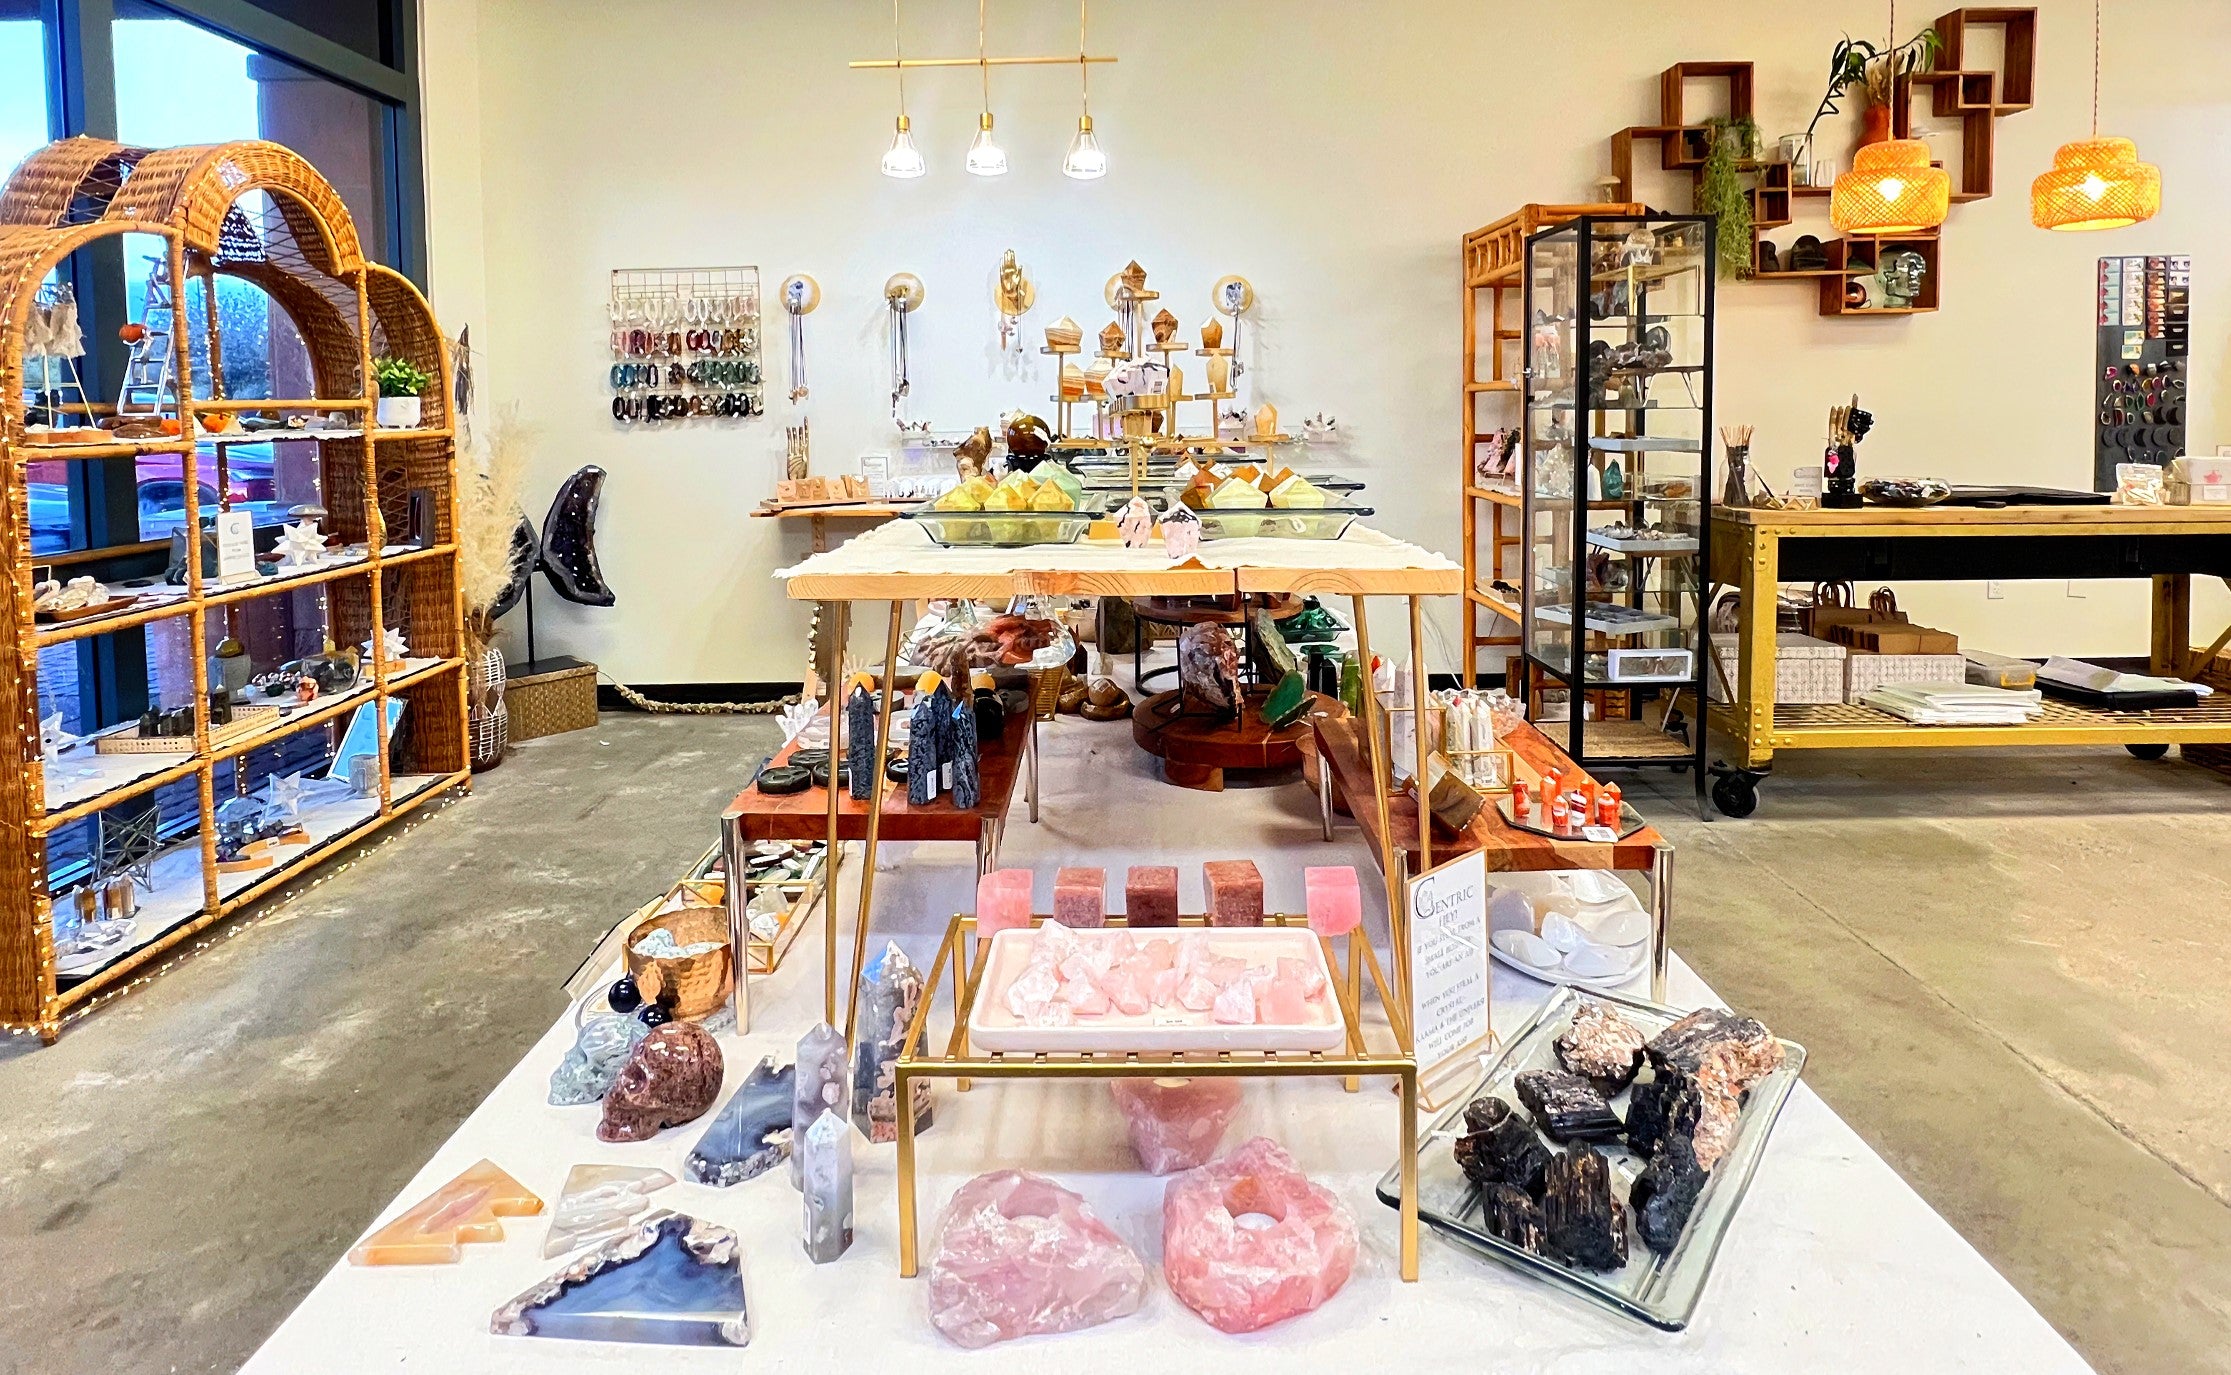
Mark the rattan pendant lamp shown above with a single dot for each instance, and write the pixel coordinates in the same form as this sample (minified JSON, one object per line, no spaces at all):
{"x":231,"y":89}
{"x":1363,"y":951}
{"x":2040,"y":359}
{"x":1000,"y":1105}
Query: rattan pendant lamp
{"x":2095,"y":183}
{"x":1891,"y":188}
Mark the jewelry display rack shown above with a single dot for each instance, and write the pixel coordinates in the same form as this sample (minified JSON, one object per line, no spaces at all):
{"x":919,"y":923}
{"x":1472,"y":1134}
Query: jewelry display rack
{"x":305,"y":255}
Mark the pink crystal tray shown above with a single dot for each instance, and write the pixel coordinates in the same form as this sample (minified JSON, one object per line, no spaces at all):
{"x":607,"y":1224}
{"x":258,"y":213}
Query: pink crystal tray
{"x":1158,"y":990}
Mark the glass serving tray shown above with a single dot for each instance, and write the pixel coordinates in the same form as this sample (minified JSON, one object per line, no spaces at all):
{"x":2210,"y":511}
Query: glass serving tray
{"x":1659,"y":1290}
{"x":1003,"y":529}
{"x":1329,"y":521}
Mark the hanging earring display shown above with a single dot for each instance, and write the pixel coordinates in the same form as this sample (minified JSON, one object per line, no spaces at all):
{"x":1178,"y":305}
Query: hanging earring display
{"x":903,"y":295}
{"x":1014,"y":294}
{"x":685,"y":344}
{"x":800,"y":294}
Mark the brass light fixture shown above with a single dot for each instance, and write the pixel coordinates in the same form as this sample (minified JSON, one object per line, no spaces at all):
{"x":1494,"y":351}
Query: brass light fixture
{"x":902,"y":159}
{"x":2095,"y":183}
{"x":1891,"y":188}
{"x":1084,"y":161}
{"x":985,"y":157}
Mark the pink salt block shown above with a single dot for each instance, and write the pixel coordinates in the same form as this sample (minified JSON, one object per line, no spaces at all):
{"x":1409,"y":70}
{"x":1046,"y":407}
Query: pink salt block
{"x":1248,"y":1241}
{"x":1017,"y":1255}
{"x":1080,"y":897}
{"x":1335,"y":899}
{"x":1175,"y":1124}
{"x":1235,"y":892}
{"x":1002,"y":901}
{"x":1150,"y":895}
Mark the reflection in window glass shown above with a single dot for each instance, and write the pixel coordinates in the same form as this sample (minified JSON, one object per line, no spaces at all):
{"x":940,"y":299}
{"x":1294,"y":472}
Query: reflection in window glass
{"x":23,"y":122}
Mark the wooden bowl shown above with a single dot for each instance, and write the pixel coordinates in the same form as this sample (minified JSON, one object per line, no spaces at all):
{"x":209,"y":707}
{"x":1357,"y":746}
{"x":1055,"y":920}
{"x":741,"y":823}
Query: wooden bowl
{"x":701,"y":983}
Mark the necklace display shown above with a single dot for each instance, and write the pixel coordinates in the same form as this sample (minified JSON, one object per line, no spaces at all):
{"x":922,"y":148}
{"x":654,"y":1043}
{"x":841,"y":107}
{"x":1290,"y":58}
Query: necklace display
{"x":685,"y":344}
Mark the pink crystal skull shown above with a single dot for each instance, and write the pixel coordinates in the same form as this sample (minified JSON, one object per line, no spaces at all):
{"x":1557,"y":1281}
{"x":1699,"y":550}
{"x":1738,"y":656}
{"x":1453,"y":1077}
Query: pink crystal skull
{"x":1243,"y":1277}
{"x":1175,"y":1124}
{"x":1018,"y":1255}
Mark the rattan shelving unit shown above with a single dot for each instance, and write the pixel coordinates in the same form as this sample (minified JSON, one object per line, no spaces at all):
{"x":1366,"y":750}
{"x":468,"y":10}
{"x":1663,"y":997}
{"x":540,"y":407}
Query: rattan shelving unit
{"x":303,"y":251}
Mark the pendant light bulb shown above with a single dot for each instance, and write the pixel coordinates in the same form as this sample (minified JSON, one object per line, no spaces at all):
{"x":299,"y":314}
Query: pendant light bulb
{"x":985,"y":157}
{"x":2096,"y":182}
{"x":1085,"y":161}
{"x":903,"y":159}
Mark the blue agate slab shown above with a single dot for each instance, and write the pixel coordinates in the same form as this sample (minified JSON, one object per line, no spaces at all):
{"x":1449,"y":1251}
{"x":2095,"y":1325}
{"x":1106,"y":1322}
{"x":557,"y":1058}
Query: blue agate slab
{"x":752,"y":1134}
{"x":673,"y":1280}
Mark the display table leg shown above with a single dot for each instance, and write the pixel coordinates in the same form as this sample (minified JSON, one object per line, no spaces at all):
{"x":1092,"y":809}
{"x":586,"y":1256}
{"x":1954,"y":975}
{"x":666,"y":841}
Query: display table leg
{"x":1353,"y":976}
{"x":2172,"y":624}
{"x":739,"y":928}
{"x":909,"y":1261}
{"x":839,"y":619}
{"x":1033,"y":768}
{"x":875,"y":825}
{"x":1756,"y":653}
{"x":1324,"y":791}
{"x":1406,"y":1150}
{"x":1661,"y":918}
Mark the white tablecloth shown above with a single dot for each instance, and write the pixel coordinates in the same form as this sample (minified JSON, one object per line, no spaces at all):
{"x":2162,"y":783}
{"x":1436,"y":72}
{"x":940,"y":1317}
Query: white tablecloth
{"x":901,"y":546}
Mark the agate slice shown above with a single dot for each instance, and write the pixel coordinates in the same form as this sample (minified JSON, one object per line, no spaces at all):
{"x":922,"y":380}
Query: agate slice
{"x":1567,"y":1106}
{"x":467,"y":1208}
{"x":752,"y":1134}
{"x":1584,"y":1223}
{"x":1601,"y":1047}
{"x":598,"y":1203}
{"x":672,"y":1280}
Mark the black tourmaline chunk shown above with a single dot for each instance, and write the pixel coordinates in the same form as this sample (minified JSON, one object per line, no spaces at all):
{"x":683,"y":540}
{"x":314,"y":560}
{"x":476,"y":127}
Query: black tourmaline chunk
{"x":1500,"y":1147}
{"x":1567,"y":1106}
{"x":1585,"y":1225}
{"x":1666,"y":1191}
{"x":1646,"y":1114}
{"x":1739,"y":1051}
{"x":1514,"y":1217}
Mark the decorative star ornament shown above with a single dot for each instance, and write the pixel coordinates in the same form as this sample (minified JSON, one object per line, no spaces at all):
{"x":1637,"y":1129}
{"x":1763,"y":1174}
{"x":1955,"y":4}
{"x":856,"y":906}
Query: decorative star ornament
{"x":301,"y":545}
{"x":393,"y":646}
{"x":282,"y":803}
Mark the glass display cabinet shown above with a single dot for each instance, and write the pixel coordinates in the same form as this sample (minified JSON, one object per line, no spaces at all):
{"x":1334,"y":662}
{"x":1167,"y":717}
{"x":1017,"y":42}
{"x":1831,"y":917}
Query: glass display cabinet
{"x":1618,"y":425}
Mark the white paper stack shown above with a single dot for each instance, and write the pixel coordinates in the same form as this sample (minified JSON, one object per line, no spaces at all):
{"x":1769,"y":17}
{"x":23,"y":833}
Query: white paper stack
{"x":2079,"y":674}
{"x":1957,"y":704}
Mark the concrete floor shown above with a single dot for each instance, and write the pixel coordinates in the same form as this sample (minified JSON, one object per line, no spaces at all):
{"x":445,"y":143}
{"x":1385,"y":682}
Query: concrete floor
{"x":2008,"y":968}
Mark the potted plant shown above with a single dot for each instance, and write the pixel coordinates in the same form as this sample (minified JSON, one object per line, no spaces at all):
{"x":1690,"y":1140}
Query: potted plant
{"x":402,"y":391}
{"x":1875,"y":73}
{"x":1722,"y":191}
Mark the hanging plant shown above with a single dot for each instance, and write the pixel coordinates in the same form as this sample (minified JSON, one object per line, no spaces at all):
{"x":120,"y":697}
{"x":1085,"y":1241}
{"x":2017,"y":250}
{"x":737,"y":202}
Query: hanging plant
{"x":1722,"y":192}
{"x":1874,"y":71}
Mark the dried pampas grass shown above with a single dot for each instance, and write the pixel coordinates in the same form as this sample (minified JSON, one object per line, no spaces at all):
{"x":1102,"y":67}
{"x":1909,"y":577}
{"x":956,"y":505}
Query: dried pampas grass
{"x":488,"y":511}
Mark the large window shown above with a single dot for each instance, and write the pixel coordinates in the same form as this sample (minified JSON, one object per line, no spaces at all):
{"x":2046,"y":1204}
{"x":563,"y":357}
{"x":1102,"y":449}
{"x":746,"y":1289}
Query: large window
{"x":23,"y":80}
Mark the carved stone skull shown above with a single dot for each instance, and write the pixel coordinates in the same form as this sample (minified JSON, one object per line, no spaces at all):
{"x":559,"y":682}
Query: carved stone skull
{"x":672,"y":1077}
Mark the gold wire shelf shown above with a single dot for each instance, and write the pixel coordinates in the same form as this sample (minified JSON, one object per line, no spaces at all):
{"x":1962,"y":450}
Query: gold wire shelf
{"x":962,"y":1065}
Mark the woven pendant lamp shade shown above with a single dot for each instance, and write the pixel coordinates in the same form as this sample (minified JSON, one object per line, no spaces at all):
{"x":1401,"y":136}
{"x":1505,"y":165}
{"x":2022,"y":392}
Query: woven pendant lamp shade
{"x":2095,"y":183}
{"x":1890,"y":189}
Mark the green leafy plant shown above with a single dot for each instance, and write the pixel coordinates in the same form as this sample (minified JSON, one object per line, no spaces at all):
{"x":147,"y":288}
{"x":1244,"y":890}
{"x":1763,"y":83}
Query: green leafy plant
{"x":399,"y":377}
{"x":1857,"y":63}
{"x":1721,"y":190}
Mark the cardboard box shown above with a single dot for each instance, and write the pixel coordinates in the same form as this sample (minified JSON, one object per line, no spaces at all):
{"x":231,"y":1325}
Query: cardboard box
{"x":1895,"y":637}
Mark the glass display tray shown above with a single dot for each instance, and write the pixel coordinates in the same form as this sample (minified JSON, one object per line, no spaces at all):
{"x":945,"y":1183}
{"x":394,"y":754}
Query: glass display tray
{"x":1536,"y":820}
{"x":1002,"y":529}
{"x":1329,"y":521}
{"x":1660,"y":1290}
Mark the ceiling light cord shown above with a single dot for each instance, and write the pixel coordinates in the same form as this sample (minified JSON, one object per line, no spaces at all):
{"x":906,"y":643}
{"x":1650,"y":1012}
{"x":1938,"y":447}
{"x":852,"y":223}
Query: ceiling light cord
{"x":2095,"y":68}
{"x":898,"y":52}
{"x":1084,"y":68}
{"x":982,"y":64}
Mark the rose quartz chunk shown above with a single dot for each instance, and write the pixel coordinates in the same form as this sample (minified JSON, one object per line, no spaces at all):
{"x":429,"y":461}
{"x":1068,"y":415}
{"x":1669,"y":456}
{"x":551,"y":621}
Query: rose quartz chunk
{"x":1080,"y":897}
{"x":1335,"y":899}
{"x":1280,"y":1001}
{"x":1235,"y":892}
{"x":1235,"y":1003}
{"x":1002,"y":901}
{"x":1017,"y":1255}
{"x":1176,"y":1123}
{"x":1242,"y":1278}
{"x":1150,"y":895}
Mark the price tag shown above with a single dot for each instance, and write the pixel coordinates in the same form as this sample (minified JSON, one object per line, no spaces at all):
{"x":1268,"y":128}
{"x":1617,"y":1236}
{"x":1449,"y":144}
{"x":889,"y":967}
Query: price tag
{"x":1602,"y":835}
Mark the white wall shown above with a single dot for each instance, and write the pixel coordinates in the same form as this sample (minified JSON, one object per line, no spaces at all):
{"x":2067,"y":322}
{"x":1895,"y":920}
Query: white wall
{"x":1333,"y":153}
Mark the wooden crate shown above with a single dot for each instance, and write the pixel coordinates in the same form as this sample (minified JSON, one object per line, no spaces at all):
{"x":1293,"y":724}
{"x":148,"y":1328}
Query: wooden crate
{"x":550,"y":697}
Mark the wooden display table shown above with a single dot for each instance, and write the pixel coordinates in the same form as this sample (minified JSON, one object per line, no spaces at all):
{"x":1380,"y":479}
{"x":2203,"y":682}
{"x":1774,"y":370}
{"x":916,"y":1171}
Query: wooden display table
{"x":1197,"y":746}
{"x":1344,"y":780}
{"x":1753,"y":551}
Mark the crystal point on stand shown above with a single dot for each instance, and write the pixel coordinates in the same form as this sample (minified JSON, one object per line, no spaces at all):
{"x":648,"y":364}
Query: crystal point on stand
{"x":893,"y":992}
{"x":1240,"y":1276}
{"x":823,"y":1083}
{"x":672,"y":1077}
{"x":594,"y":1063}
{"x":1176,"y":1124}
{"x":1080,"y":897}
{"x":752,"y":1133}
{"x":467,"y":1208}
{"x":1018,"y":1255}
{"x":824,"y":1151}
{"x":1235,"y":892}
{"x":860,"y":721}
{"x":597,"y":1203}
{"x":1335,"y":898}
{"x":671,"y":1280}
{"x":1150,"y":896}
{"x":961,"y":755}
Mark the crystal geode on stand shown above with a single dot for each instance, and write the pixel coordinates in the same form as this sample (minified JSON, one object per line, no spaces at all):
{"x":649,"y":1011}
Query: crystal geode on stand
{"x":823,"y":1083}
{"x":599,"y":1053}
{"x":1018,"y":1255}
{"x":752,"y":1133}
{"x":672,"y":1280}
{"x":894,"y":991}
{"x":1241,"y":1276}
{"x":1175,"y":1124}
{"x":672,"y":1078}
{"x":824,"y":1153}
{"x":1208,"y":666}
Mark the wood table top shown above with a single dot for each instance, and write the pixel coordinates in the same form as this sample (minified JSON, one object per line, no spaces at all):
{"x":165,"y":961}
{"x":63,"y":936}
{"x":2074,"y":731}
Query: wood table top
{"x":1979,"y":520}
{"x":805,"y":815}
{"x":1339,"y":737}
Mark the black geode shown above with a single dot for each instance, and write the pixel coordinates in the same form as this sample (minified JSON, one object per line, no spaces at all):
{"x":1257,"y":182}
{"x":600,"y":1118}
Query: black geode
{"x":1514,"y":1217}
{"x":1666,"y":1192}
{"x":1567,"y":1106}
{"x":1584,"y":1224}
{"x":1500,"y":1147}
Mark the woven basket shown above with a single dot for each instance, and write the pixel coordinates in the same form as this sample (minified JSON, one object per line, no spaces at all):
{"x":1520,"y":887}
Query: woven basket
{"x":552,"y":703}
{"x":701,"y":983}
{"x":490,"y":723}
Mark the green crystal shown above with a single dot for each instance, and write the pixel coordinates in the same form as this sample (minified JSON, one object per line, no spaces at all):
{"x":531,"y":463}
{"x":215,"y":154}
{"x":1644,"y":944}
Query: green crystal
{"x":1286,"y":702}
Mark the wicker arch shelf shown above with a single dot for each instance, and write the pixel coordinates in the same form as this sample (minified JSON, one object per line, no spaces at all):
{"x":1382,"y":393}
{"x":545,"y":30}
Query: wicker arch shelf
{"x":306,"y":257}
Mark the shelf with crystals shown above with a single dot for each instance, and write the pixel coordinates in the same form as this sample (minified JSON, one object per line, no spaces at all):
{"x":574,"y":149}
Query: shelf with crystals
{"x":1610,"y":618}
{"x":1644,"y":443}
{"x":1643,"y":546}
